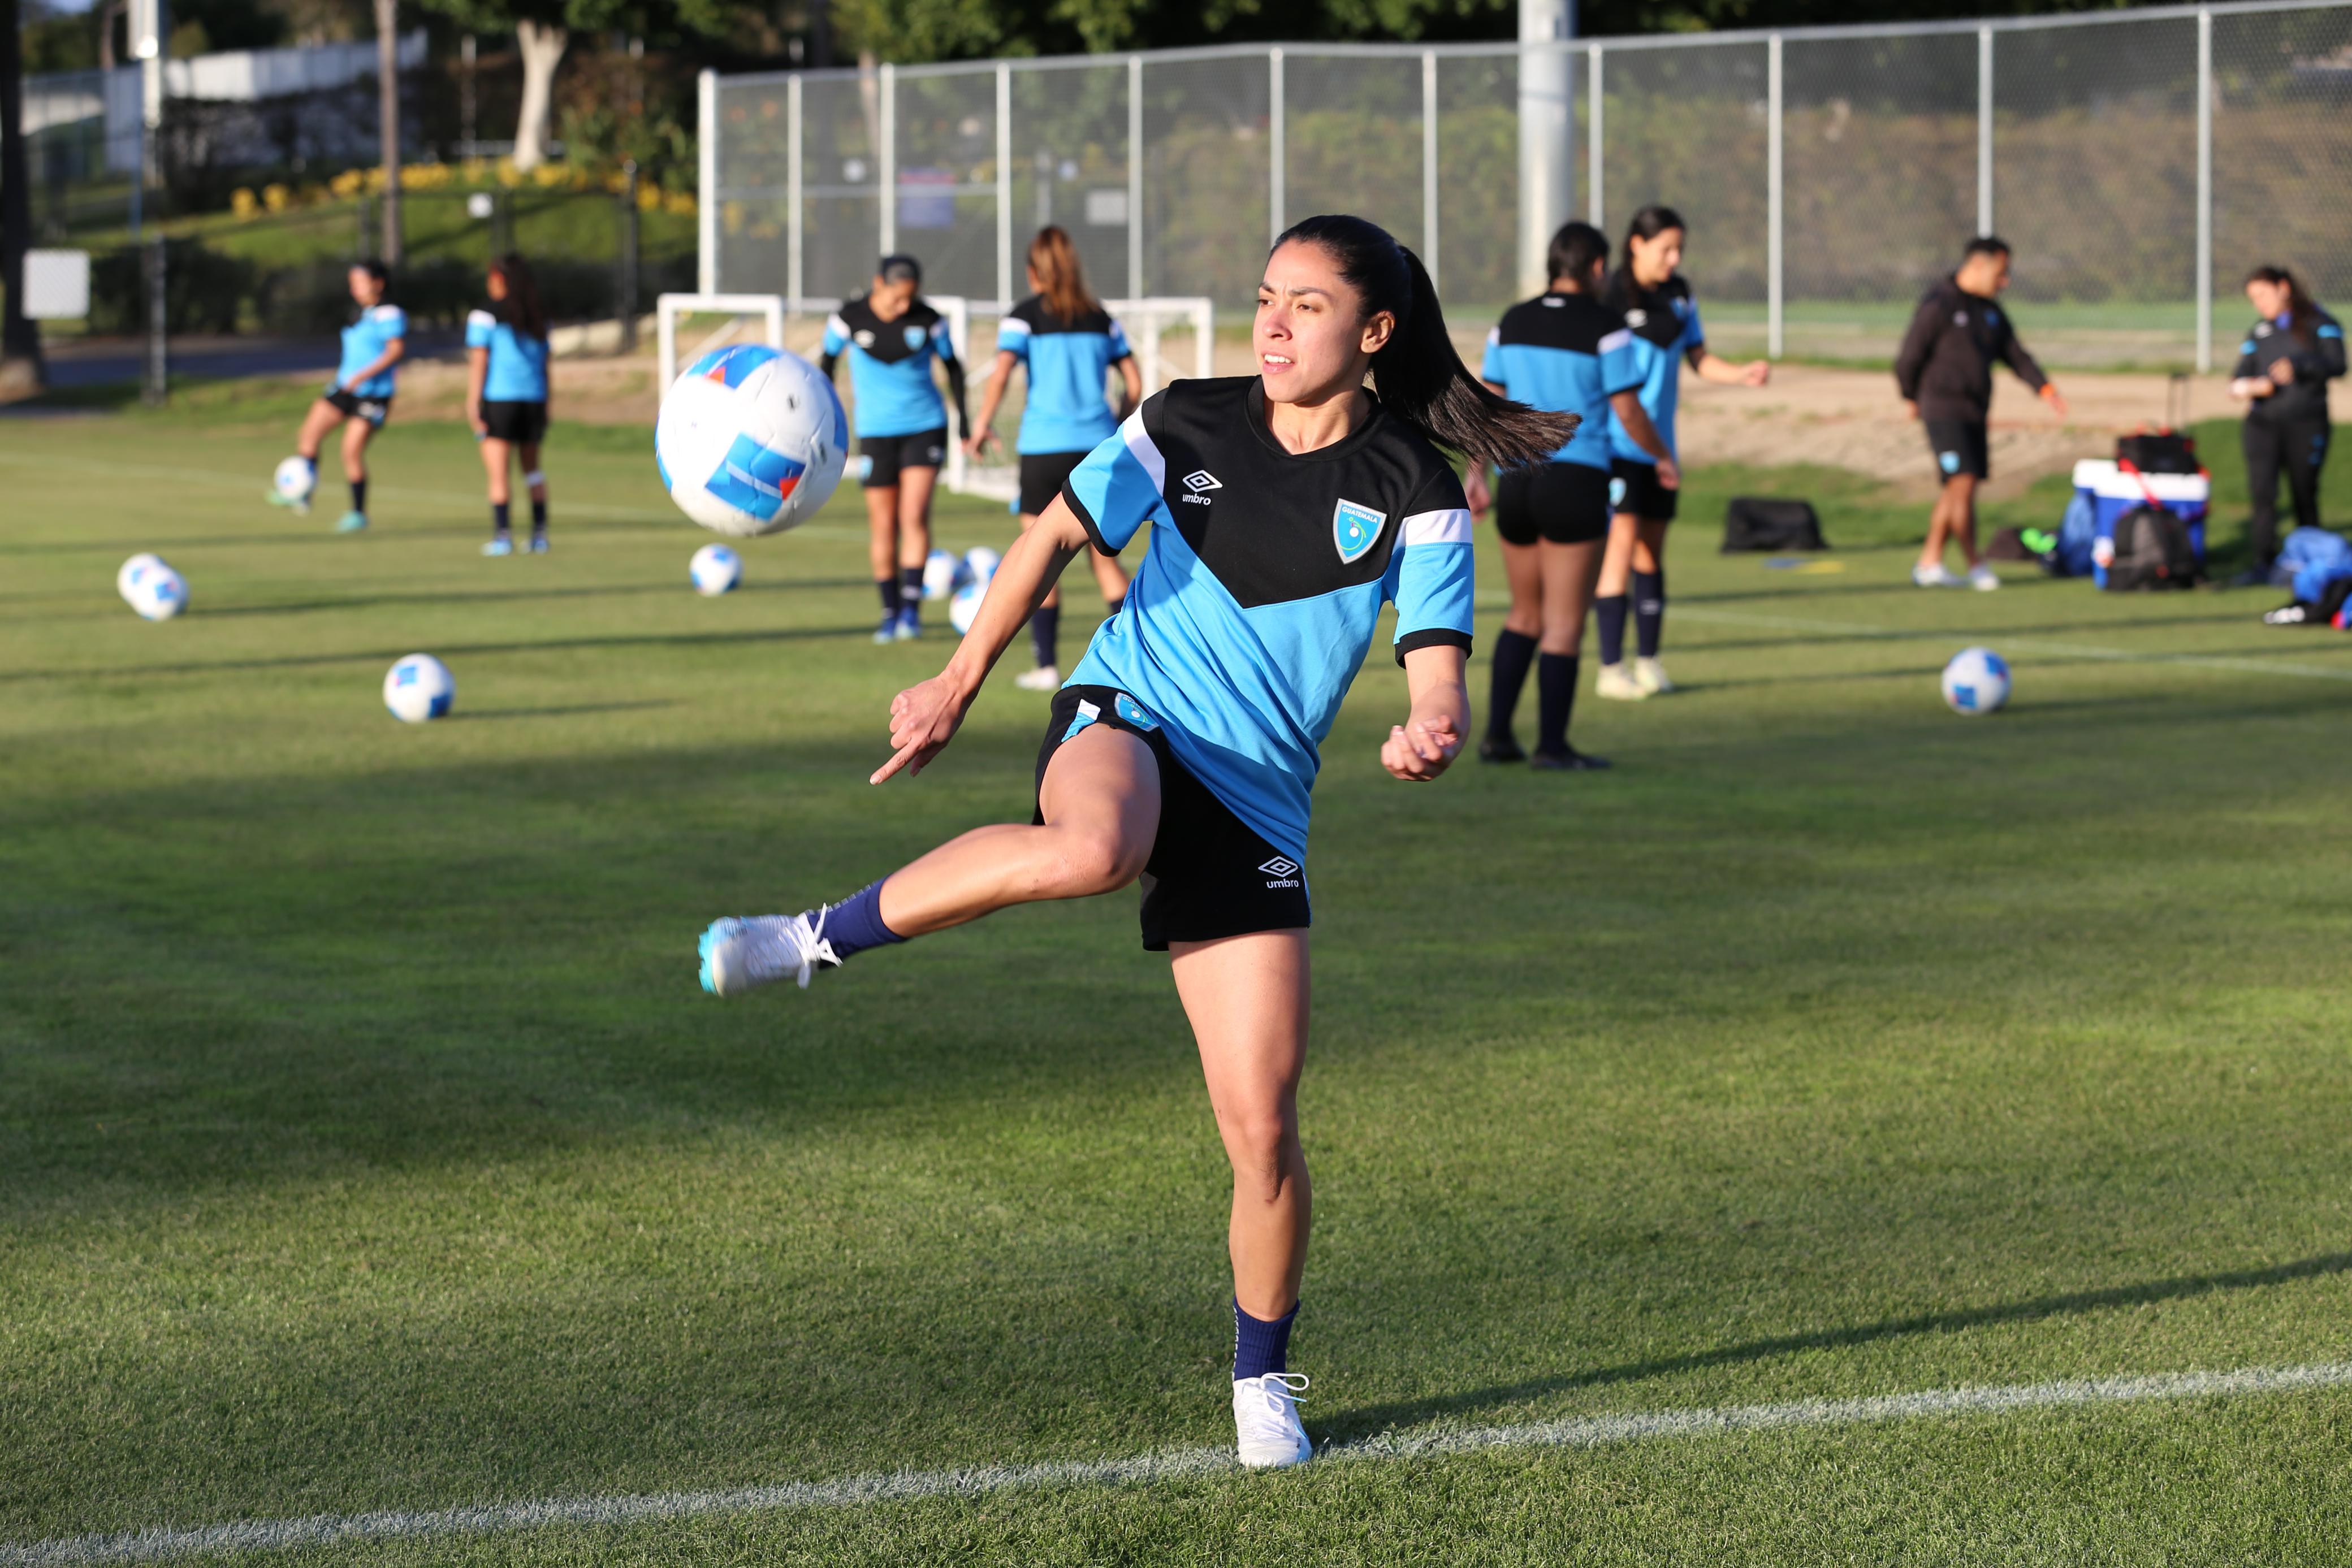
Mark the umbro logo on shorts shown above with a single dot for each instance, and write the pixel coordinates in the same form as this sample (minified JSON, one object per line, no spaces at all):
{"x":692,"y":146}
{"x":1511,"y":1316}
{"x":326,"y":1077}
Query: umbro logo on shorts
{"x":1283,"y":869}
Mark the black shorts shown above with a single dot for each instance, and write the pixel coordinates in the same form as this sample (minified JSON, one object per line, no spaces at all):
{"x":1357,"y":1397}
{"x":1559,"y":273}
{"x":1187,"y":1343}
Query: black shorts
{"x":1210,"y":875}
{"x":1634,"y":487}
{"x":351,"y":405}
{"x":1959,"y":447}
{"x":881,"y":457}
{"x":524,"y":424}
{"x":1042,"y":474}
{"x":1562,"y":502}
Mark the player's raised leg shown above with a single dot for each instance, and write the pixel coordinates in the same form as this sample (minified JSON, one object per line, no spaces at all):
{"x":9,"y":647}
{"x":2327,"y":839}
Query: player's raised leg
{"x":317,"y":423}
{"x":1247,"y":997}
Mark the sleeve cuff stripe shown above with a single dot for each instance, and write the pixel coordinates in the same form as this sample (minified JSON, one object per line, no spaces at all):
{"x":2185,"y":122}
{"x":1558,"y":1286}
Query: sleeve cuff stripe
{"x":1093,"y":534}
{"x":1434,"y":637}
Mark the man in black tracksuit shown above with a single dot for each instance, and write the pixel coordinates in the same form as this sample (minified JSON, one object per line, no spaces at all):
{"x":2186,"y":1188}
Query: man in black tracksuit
{"x":1945,"y":372}
{"x":2284,"y":366}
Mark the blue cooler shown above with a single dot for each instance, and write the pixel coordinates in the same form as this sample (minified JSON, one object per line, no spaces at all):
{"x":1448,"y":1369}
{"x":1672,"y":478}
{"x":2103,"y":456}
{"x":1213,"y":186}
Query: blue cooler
{"x":2111,"y":492}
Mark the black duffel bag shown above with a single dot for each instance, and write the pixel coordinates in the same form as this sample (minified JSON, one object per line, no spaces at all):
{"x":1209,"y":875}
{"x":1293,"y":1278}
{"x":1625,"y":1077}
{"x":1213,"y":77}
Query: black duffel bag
{"x":2152,"y":552}
{"x":2156,"y":452}
{"x":1764,"y":523}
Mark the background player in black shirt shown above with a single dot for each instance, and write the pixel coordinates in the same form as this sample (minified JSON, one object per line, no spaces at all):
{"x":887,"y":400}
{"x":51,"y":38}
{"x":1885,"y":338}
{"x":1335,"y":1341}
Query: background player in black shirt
{"x":2284,"y":367}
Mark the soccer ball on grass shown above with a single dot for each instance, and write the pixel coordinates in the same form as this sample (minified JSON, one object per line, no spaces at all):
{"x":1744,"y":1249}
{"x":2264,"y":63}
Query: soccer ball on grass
{"x":1976,"y":681}
{"x":715,"y":570}
{"x":418,"y":688}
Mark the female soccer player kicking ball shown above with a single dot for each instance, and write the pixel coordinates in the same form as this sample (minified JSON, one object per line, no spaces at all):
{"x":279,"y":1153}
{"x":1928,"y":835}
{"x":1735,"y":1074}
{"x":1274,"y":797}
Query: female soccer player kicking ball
{"x":1287,"y":508}
{"x":359,"y":397}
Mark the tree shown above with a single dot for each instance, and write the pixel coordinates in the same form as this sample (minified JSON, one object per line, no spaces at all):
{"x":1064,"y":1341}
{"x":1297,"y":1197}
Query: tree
{"x":21,"y":371}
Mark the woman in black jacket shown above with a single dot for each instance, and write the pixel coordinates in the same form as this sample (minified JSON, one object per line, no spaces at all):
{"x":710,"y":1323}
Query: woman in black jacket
{"x":2283,"y":368}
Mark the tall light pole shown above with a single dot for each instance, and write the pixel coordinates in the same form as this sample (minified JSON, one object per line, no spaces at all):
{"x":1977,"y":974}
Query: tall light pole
{"x":1546,"y":162}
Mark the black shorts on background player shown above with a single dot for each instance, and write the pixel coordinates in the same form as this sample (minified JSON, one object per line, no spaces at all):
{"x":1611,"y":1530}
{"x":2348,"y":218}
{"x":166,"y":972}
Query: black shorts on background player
{"x":1642,"y":494}
{"x":1561,"y":503}
{"x":885,"y":455}
{"x":1042,"y":475}
{"x":351,"y":405}
{"x":524,"y":424}
{"x":1959,"y":447}
{"x":1210,"y":875}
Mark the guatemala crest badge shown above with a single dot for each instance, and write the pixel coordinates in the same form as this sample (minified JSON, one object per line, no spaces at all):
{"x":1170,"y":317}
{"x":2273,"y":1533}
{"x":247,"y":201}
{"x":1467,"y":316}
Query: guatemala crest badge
{"x":1355,"y":529}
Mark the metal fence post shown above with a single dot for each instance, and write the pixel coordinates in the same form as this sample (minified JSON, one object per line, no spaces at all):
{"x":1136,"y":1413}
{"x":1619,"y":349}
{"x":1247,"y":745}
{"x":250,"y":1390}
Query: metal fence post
{"x":2204,"y":190}
{"x":1984,"y":130}
{"x":886,"y":155}
{"x":1004,"y":293}
{"x":1273,"y":193}
{"x":158,"y":366}
{"x":1429,"y":164}
{"x":1592,"y":138}
{"x":625,"y":282}
{"x":1772,"y":203}
{"x":1134,"y":177}
{"x":706,"y":152}
{"x":795,"y":281}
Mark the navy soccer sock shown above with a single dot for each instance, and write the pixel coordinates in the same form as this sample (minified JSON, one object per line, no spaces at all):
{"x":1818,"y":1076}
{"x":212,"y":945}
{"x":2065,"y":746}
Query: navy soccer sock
{"x":1609,"y":619}
{"x":539,"y":516}
{"x":358,"y":495}
{"x":911,"y":589}
{"x":887,"y":587}
{"x":1514,"y":653}
{"x":1554,"y":700}
{"x":1045,"y":633}
{"x":854,"y":923}
{"x":500,"y":511}
{"x":1259,"y":1347}
{"x":1649,"y":611}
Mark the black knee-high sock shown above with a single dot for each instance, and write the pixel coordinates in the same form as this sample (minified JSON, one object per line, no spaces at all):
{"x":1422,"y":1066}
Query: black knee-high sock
{"x":1514,"y":652}
{"x":539,"y":516}
{"x":500,"y":515}
{"x":358,"y":495}
{"x":1609,"y":615}
{"x":1555,"y":699}
{"x":1045,"y":633}
{"x":887,"y":587}
{"x":910,"y":589}
{"x":1649,"y":610}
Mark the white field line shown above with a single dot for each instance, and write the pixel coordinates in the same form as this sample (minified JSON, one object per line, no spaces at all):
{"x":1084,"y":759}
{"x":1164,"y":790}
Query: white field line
{"x":850,"y":1492}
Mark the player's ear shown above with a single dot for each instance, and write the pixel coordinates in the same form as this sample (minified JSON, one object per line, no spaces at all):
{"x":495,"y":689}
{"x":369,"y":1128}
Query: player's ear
{"x":1378,"y":330}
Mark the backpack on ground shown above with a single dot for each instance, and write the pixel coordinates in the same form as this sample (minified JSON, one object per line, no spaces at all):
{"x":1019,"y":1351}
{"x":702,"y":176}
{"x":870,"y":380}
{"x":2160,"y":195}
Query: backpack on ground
{"x":2152,"y":552}
{"x":2162,"y":449}
{"x":2078,"y":537}
{"x":1764,"y":523}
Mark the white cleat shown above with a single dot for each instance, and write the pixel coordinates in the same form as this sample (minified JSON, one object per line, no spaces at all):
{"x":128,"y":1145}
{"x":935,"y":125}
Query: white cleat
{"x":1617,"y":683}
{"x":1981,"y":578}
{"x":1934,"y":577}
{"x":1266,"y":1419}
{"x":1044,"y":678}
{"x":1650,"y":676}
{"x":739,"y":954}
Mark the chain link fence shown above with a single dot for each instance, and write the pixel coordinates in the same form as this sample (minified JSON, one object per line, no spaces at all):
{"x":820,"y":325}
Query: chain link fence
{"x":2140,"y":162}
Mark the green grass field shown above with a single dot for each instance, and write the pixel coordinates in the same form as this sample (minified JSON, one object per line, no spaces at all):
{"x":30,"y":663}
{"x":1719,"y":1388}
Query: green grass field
{"x":366,"y":1144}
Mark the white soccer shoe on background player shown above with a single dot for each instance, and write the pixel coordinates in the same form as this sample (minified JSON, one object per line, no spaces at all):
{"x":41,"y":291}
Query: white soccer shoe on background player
{"x":1044,"y":678}
{"x":1650,"y":674}
{"x":1265,"y":1421}
{"x":1982,"y":577}
{"x":758,"y":950}
{"x":1935,"y":576}
{"x":1619,"y":684}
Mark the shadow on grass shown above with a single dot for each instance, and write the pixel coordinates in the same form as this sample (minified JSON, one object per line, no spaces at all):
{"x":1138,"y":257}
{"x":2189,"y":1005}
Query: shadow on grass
{"x":478,"y":714}
{"x":1370,"y":1419}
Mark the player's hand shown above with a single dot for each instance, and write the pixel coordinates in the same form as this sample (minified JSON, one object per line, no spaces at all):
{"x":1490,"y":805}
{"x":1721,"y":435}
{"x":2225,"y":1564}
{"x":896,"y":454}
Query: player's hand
{"x":1419,"y":749}
{"x":2253,"y":386}
{"x":2055,"y":398}
{"x":1669,"y":477}
{"x":1756,"y":372}
{"x":923,"y":719}
{"x":1910,"y":408}
{"x":1475,"y":491}
{"x":2282,"y":371}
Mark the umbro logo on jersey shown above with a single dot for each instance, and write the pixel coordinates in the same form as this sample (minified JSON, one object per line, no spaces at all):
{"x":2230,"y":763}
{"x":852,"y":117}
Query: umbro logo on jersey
{"x":1959,"y":318}
{"x":1355,"y":529}
{"x":862,"y":337}
{"x":1200,"y":482}
{"x":1283,"y":869}
{"x":1637,"y":318}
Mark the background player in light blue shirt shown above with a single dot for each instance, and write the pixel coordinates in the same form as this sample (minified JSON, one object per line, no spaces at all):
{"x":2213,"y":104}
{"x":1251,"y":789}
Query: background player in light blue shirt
{"x":1664,"y":315}
{"x":359,"y":397}
{"x":506,"y":394}
{"x":1070,"y":345}
{"x":1287,"y":509}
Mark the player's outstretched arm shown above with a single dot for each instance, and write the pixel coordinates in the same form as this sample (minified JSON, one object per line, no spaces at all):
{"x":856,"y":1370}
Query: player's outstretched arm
{"x":1422,"y":747}
{"x":924,"y":719}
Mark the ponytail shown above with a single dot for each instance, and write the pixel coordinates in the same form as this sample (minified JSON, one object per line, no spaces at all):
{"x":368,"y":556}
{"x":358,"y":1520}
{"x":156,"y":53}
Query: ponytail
{"x":2303,"y":310}
{"x":1420,"y":377}
{"x":1060,"y":279}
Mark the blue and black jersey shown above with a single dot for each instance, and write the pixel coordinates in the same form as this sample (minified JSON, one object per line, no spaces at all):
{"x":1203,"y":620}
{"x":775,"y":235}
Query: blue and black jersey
{"x":365,"y":341}
{"x":1258,"y":595}
{"x":2316,"y":352}
{"x":1664,"y":324}
{"x":1067,"y":361}
{"x":891,"y":366}
{"x":1564,"y":353}
{"x":517,"y":366}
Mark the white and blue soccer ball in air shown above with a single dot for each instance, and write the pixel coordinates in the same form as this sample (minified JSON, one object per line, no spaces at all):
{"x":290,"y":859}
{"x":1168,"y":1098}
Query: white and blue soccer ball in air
{"x":750,"y":440}
{"x":715,"y":570}
{"x":980,"y":564}
{"x":295,"y":480}
{"x":944,"y":573}
{"x":1976,"y":681}
{"x":152,"y":588}
{"x":418,"y":688}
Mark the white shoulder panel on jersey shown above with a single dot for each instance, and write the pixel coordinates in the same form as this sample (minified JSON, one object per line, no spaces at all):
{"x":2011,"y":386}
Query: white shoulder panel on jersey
{"x":480,"y":319}
{"x":1446,"y":525}
{"x":1622,"y":337}
{"x":1144,"y":450}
